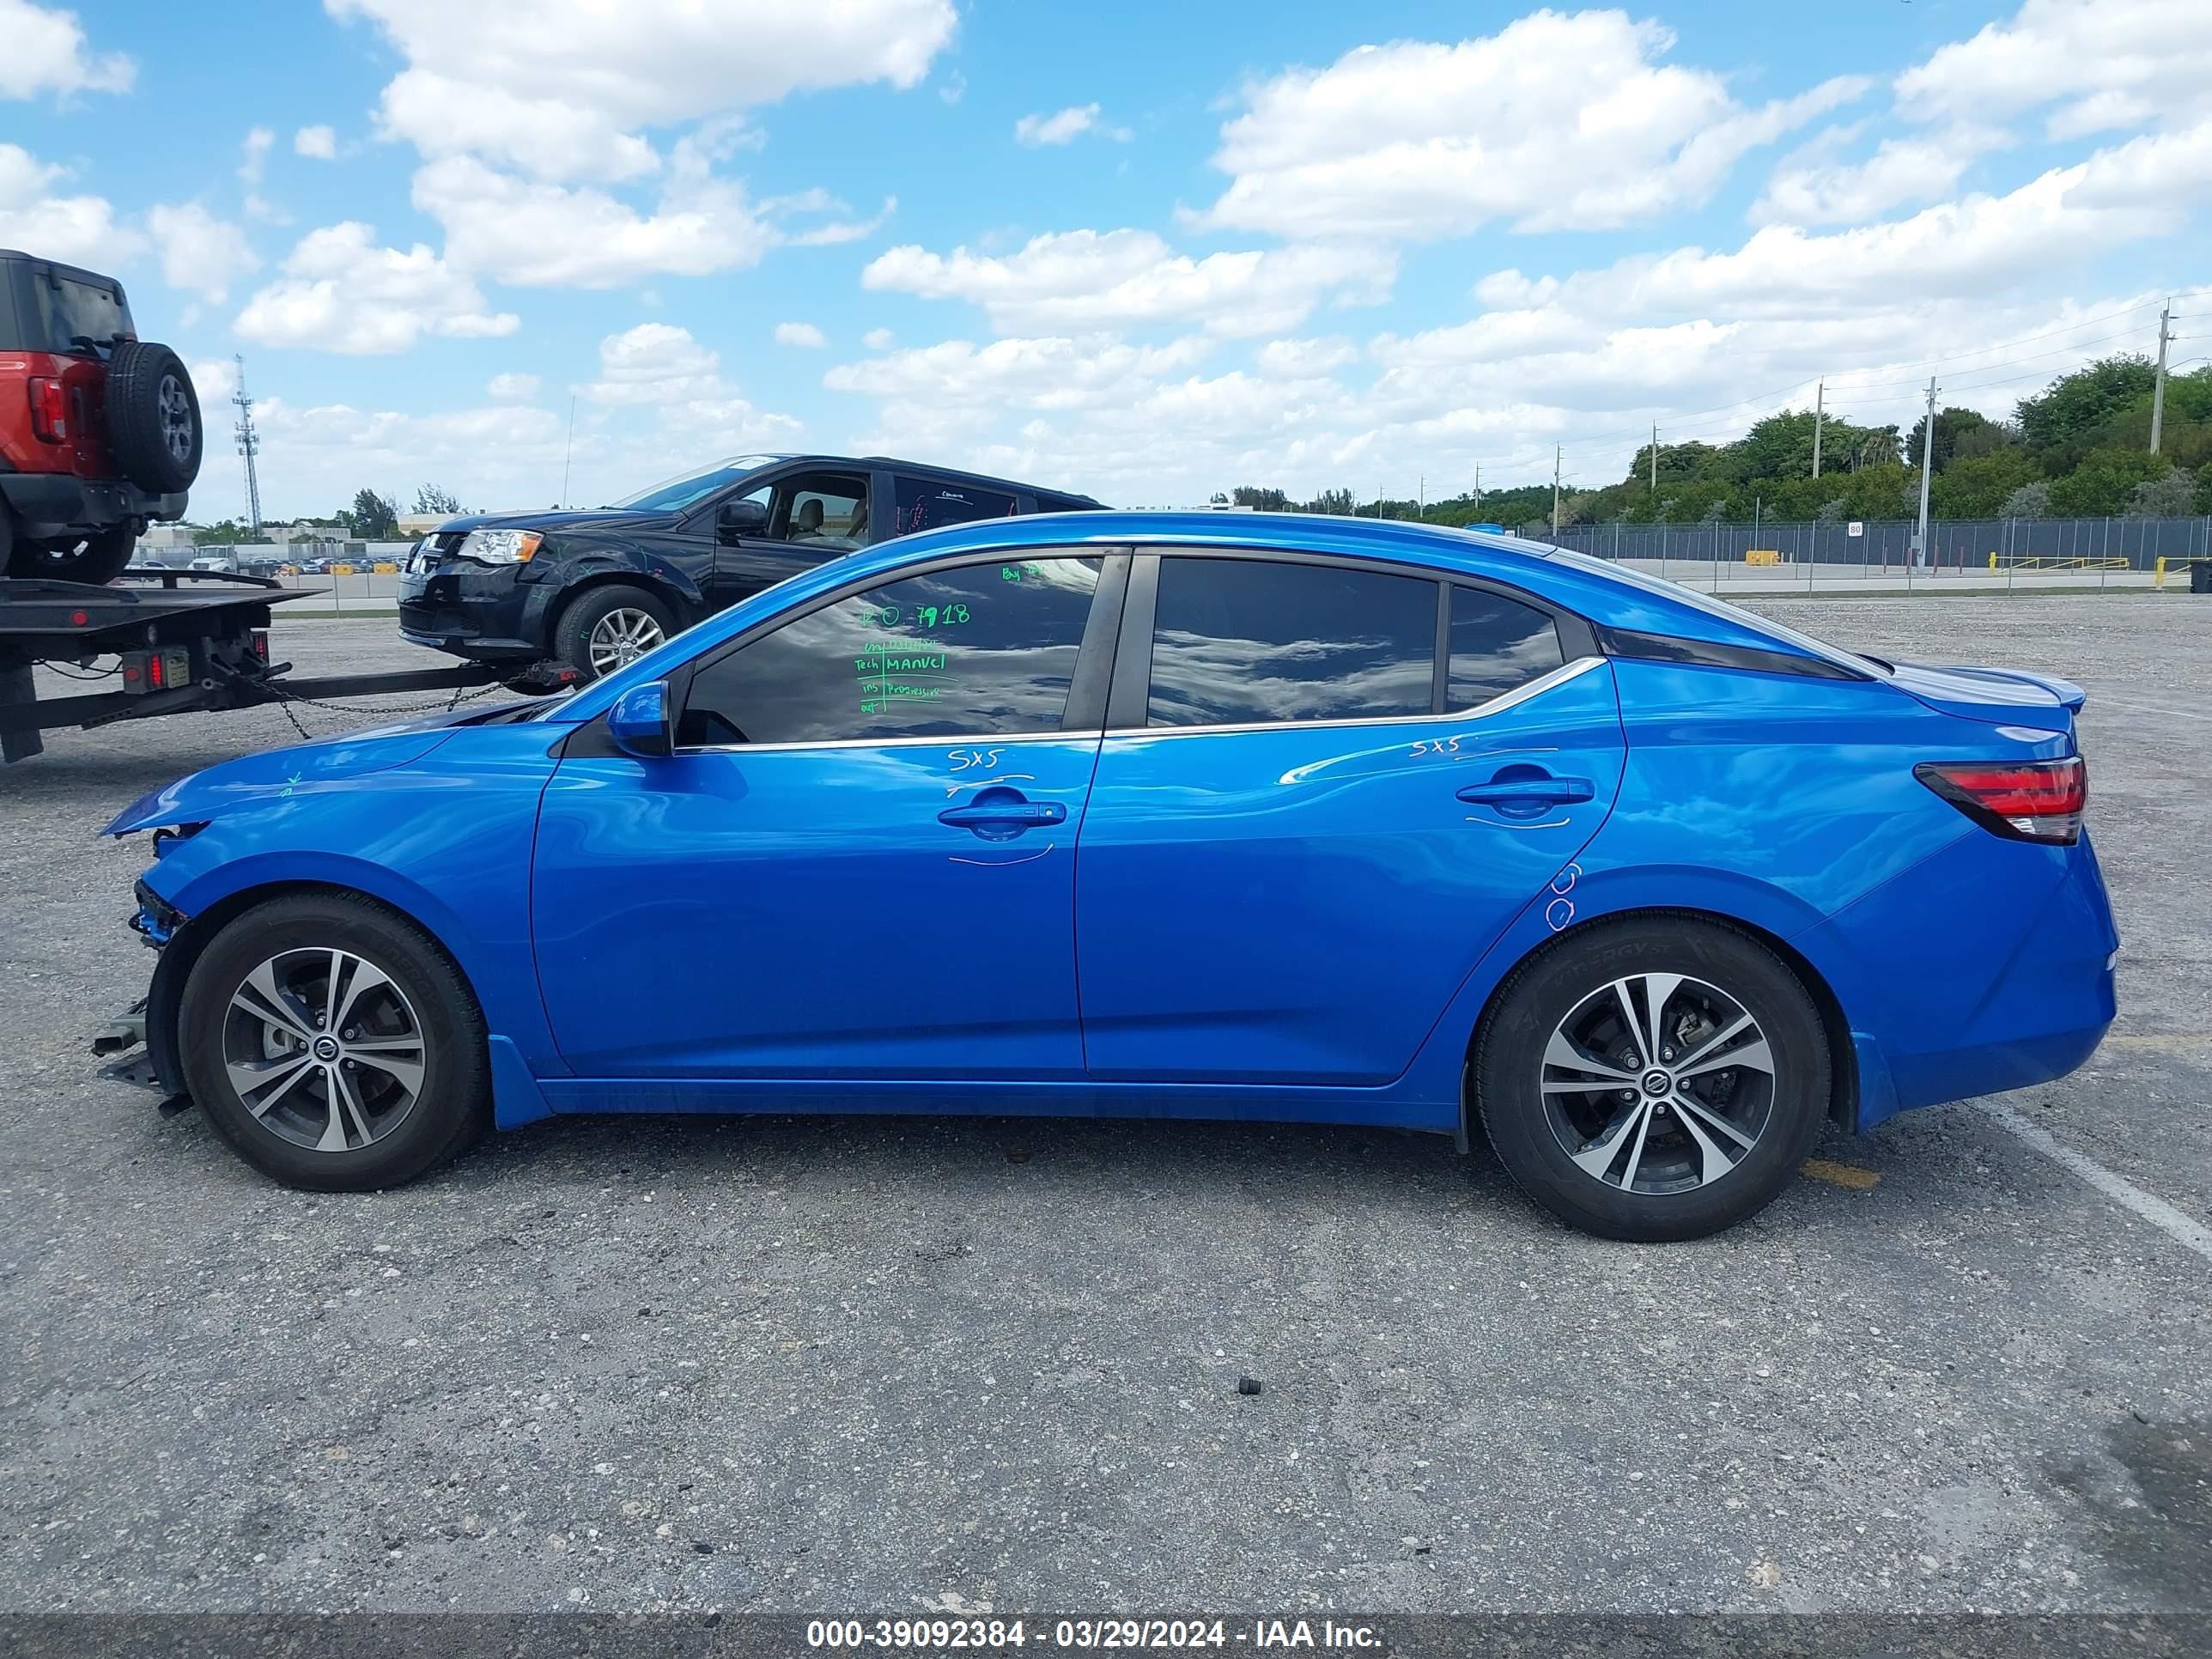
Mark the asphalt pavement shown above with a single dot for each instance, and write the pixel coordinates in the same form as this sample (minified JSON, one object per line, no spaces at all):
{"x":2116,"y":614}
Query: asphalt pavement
{"x":853,"y":1366}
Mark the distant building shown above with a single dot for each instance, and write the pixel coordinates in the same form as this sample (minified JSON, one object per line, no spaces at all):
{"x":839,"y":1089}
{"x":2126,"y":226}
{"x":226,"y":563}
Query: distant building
{"x":158,"y":537}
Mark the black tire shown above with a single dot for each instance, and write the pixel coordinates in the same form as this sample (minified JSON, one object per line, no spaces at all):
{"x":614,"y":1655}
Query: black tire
{"x":1566,"y":987}
{"x":451,"y":1107}
{"x":96,"y":559}
{"x":154,"y":418}
{"x":573,"y":633}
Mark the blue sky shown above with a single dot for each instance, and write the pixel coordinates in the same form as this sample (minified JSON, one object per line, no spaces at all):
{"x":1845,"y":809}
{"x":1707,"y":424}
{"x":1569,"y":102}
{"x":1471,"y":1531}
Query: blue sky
{"x":1150,"y":250}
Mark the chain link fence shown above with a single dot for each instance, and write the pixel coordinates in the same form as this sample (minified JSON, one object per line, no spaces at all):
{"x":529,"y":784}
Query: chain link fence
{"x":1953,"y":544}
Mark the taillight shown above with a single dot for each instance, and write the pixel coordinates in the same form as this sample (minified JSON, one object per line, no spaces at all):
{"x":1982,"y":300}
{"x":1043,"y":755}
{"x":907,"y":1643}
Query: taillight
{"x":49,"y":409}
{"x":2022,"y":801}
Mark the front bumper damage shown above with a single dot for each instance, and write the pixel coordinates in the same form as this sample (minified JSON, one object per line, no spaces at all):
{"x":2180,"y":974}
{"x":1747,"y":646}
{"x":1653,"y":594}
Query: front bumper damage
{"x":124,"y":1041}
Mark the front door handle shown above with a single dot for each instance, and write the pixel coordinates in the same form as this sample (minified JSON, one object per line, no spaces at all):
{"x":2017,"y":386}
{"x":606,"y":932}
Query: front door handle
{"x":1528,"y":791}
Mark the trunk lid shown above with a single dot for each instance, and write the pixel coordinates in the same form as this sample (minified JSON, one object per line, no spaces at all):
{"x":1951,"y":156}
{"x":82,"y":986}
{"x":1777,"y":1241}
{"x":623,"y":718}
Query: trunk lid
{"x":2003,"y":696}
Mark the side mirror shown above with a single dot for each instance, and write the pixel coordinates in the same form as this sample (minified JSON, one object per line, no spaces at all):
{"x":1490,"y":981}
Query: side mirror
{"x":743,"y":518}
{"x":643,"y":723}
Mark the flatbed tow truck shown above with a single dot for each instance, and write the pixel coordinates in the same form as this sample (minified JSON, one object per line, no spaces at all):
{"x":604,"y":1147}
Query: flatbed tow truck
{"x":181,"y":648}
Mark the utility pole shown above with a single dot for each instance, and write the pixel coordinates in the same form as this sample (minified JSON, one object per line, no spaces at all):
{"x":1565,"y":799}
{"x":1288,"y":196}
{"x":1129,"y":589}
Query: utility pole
{"x":1556,"y":450}
{"x":248,"y":444}
{"x":568,"y":453}
{"x":1654,"y":459}
{"x":2158,"y":385}
{"x":1478,"y":490}
{"x":1820,"y":401}
{"x":1927,"y":468}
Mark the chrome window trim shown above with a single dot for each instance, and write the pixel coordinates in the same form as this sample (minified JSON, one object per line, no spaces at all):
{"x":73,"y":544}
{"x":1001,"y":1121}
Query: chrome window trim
{"x":1505,"y":700}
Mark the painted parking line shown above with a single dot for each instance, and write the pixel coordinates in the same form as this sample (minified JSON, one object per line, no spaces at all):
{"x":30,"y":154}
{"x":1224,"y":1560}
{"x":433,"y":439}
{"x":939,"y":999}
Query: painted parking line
{"x":2133,"y":707}
{"x":2156,"y":1211}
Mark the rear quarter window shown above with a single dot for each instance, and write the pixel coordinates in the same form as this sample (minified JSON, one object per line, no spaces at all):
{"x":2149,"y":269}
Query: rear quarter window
{"x":932,"y":504}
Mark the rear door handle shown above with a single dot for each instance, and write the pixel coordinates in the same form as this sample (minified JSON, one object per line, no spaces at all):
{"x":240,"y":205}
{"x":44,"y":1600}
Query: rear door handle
{"x":1008,"y":815}
{"x":1528,"y":791}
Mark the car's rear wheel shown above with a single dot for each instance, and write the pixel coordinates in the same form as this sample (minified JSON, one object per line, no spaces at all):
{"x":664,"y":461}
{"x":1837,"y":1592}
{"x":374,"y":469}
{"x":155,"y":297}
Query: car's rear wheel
{"x":153,"y":417}
{"x":1654,"y":1078}
{"x":94,"y":559}
{"x":334,"y":1044}
{"x":605,"y":629}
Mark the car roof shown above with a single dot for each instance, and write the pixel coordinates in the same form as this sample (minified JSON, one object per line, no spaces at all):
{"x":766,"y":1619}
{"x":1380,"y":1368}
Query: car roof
{"x":76,"y":273}
{"x":935,"y":471}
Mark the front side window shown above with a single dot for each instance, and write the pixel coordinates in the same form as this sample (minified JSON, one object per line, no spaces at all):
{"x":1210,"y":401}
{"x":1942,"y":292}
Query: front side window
{"x":1495,"y":645}
{"x":826,"y":509}
{"x":984,"y":650}
{"x":1246,"y":641}
{"x":927,"y":504}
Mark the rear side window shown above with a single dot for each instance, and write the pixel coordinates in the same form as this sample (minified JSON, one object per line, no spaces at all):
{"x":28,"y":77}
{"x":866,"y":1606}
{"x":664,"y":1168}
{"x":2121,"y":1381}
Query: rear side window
{"x":924,"y":504}
{"x":979,"y":651}
{"x":1248,"y":641}
{"x":1495,"y":645}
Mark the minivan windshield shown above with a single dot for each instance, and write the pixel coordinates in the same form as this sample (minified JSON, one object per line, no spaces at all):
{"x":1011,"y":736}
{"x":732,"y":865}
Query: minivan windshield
{"x":674,"y":495}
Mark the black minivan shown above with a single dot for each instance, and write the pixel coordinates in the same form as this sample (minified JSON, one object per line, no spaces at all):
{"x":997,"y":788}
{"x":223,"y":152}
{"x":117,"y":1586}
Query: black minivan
{"x":593,"y":590}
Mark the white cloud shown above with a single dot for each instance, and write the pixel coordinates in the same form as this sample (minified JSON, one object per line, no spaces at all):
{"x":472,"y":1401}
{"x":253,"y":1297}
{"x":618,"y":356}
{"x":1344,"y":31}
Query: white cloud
{"x":1301,"y":359}
{"x":1054,"y":373}
{"x":1557,"y":122}
{"x":80,"y":229}
{"x":697,"y":413}
{"x":1087,"y":280}
{"x":800,"y":334}
{"x":876,"y":339}
{"x":2104,"y":65}
{"x":254,"y":157}
{"x":1065,"y":127}
{"x":340,"y":292}
{"x":319,"y":144}
{"x":1812,"y":187}
{"x":44,"y":51}
{"x":200,"y":253}
{"x":566,"y":97}
{"x":513,"y":388}
{"x":314,"y":458}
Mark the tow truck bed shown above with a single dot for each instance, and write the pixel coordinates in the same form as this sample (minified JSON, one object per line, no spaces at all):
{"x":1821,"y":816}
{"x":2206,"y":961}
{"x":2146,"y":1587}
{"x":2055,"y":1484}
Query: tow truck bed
{"x":178,"y":651}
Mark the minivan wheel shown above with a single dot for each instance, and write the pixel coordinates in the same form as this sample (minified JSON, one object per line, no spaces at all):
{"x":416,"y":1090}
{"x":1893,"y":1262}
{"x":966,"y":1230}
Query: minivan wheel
{"x":1654,"y":1078}
{"x":334,"y":1044}
{"x":610,"y":627}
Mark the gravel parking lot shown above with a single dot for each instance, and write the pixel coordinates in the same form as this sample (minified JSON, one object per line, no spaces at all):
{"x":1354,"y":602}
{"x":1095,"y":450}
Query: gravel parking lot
{"x":844,"y":1366}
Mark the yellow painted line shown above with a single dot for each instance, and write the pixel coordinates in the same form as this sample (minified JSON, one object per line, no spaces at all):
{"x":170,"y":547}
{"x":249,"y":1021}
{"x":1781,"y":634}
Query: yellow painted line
{"x":1843,"y":1174}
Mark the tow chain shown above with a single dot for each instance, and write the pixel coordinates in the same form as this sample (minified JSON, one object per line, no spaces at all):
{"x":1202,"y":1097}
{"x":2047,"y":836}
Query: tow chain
{"x":286,"y":700}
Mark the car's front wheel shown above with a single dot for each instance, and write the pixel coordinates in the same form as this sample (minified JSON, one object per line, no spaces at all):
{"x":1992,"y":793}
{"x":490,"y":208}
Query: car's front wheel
{"x":1657,"y":1078}
{"x":334,"y":1044}
{"x":608,"y":628}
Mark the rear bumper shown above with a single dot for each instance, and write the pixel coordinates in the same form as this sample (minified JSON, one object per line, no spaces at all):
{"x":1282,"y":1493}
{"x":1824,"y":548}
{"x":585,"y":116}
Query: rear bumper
{"x":47,"y":502}
{"x":1988,"y":967}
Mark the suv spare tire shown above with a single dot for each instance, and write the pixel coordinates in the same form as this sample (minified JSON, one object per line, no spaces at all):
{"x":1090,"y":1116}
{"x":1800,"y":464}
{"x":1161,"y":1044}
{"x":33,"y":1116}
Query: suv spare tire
{"x":153,"y":417}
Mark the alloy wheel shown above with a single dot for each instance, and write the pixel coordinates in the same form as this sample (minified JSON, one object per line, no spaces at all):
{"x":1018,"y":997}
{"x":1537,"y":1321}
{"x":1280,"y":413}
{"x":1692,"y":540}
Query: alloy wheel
{"x":1657,"y":1083}
{"x":324,"y":1049}
{"x":176,"y":417}
{"x":621,"y":637}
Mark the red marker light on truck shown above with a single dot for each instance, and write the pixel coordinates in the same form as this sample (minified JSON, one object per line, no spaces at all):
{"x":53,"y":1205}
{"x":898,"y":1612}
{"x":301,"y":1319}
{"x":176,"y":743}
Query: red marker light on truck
{"x":2021,"y":800}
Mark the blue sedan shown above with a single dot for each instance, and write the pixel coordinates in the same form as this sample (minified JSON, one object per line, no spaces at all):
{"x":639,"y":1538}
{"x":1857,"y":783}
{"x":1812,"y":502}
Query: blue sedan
{"x":1141,"y":814}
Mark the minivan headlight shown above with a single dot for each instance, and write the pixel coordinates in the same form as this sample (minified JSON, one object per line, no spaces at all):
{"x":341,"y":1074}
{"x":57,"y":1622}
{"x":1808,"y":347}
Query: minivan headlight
{"x":500,"y":546}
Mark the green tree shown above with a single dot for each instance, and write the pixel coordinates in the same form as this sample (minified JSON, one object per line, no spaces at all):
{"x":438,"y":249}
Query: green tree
{"x":1979,"y":486}
{"x":429,"y":498}
{"x":374,"y":518}
{"x":1951,"y":425}
{"x":2072,"y":407}
{"x":2103,"y":483}
{"x":2172,"y":494}
{"x":2031,"y":501}
{"x":1266,"y":501}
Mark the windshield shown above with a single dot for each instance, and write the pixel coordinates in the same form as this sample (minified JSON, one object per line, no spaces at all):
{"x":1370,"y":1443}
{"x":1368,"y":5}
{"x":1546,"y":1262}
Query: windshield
{"x":1713,"y":606}
{"x":674,"y":495}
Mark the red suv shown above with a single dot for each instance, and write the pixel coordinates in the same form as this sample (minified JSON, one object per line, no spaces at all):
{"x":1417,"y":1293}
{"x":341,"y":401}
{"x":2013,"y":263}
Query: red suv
{"x":99,"y":431}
